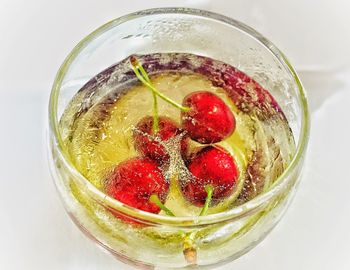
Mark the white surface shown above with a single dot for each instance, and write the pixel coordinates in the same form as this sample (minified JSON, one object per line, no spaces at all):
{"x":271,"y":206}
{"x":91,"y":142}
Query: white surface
{"x":35,"y":231}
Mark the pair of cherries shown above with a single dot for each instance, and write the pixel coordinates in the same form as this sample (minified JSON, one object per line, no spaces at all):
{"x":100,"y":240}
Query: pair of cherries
{"x":205,"y":118}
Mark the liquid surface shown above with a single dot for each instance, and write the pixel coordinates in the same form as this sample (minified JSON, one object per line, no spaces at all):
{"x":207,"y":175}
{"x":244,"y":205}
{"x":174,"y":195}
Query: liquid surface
{"x":98,"y":124}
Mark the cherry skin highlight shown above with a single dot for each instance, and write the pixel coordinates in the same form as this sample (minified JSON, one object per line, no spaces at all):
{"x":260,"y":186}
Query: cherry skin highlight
{"x":209,"y":119}
{"x":212,"y":166}
{"x":133,"y":182}
{"x":150,"y":144}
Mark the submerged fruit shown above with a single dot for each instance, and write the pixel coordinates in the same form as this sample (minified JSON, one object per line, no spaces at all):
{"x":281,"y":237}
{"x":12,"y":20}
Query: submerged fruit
{"x":212,"y":166}
{"x":152,"y":145}
{"x":134,"y":181}
{"x":209,"y":119}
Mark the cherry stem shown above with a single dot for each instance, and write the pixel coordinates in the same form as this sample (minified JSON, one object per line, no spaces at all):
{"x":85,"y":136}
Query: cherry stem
{"x":189,"y":246}
{"x":190,"y":249}
{"x":209,"y":189}
{"x":142,"y":75}
{"x":155,"y":199}
{"x":155,"y":126}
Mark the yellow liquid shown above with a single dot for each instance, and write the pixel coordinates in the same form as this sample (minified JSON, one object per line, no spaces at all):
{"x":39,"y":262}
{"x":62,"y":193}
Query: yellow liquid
{"x":102,"y":137}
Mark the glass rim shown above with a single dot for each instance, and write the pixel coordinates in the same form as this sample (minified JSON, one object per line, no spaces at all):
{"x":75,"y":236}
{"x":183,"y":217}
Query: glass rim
{"x":236,"y":212}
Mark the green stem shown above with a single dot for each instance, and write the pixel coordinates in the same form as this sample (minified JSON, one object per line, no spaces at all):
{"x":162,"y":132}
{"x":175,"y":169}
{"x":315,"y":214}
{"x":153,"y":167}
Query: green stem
{"x":190,"y":248}
{"x":142,"y":75}
{"x":143,"y":72}
{"x":155,"y":199}
{"x":209,"y":189}
{"x":155,"y":126}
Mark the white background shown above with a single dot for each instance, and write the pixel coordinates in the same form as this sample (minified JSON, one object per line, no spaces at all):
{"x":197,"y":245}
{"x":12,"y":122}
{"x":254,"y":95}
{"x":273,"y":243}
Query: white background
{"x":35,"y":36}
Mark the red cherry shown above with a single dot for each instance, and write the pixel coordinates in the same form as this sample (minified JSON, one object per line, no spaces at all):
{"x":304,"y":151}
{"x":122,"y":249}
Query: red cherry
{"x":149,"y":144}
{"x":134,"y":181}
{"x":209,"y":119}
{"x":212,"y":166}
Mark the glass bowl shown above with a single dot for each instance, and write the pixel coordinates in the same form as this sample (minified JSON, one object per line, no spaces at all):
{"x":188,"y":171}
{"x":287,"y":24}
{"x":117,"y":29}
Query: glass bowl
{"x":162,"y":241}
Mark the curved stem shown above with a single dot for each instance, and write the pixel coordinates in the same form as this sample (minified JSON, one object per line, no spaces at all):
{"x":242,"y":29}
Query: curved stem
{"x":209,"y":189}
{"x":143,"y":71}
{"x":142,"y":75}
{"x":155,"y":126}
{"x":155,"y":199}
{"x":190,"y":248}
